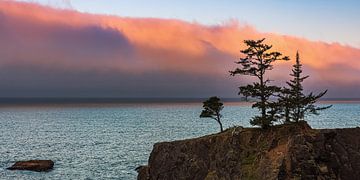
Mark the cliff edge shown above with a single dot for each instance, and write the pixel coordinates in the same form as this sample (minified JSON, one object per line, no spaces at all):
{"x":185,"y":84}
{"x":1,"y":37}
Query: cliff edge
{"x":292,"y":151}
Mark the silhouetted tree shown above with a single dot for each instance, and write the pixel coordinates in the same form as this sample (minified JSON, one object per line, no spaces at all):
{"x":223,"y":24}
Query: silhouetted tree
{"x":212,"y":108}
{"x":295,"y":104}
{"x":256,"y":62}
{"x":284,"y":104}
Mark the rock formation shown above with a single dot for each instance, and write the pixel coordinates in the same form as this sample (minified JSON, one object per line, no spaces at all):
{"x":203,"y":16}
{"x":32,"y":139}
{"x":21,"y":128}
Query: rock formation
{"x":292,"y":151}
{"x":33,"y":165}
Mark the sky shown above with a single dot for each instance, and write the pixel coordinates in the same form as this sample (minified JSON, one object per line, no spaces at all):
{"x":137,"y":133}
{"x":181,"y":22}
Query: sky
{"x":325,"y":20}
{"x":78,"y":48}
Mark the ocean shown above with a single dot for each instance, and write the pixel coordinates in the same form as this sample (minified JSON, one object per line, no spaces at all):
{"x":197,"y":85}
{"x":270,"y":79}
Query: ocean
{"x":108,"y":140}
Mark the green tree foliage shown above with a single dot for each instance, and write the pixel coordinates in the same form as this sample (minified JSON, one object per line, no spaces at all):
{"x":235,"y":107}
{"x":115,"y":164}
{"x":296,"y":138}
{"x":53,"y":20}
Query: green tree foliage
{"x":212,"y":108}
{"x":294,"y":103}
{"x":257,"y":61}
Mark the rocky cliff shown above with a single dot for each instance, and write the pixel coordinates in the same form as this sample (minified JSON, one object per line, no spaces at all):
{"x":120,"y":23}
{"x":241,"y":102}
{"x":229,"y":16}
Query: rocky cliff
{"x":293,"y":151}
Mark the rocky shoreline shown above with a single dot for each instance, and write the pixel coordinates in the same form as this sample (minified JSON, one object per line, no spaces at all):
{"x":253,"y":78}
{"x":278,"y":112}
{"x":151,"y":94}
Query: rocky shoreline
{"x":291,"y":151}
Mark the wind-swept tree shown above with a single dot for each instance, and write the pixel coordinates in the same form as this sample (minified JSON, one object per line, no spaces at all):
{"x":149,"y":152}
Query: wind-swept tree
{"x":212,"y":108}
{"x":257,"y":61}
{"x":295,"y":104}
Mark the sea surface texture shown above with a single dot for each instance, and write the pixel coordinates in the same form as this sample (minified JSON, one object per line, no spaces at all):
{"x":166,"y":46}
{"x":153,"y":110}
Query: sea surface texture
{"x":108,"y":141}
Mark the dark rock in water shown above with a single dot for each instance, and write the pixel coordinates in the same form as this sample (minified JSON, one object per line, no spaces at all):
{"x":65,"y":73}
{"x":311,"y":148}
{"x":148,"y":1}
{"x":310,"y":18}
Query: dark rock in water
{"x":291,"y":151}
{"x":143,"y":172}
{"x":33,"y":165}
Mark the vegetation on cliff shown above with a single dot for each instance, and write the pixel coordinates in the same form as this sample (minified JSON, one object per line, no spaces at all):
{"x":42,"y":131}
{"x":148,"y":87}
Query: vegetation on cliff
{"x":293,"y":103}
{"x":212,"y":108}
{"x":257,"y":61}
{"x":276,"y":104}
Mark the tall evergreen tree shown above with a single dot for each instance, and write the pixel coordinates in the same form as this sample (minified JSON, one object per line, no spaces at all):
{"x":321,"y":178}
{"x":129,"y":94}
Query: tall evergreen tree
{"x":295,"y":104}
{"x":257,"y":61}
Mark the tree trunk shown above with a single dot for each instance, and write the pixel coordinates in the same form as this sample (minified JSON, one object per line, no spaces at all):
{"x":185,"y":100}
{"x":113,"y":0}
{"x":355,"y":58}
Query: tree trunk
{"x":263,"y":101}
{"x":221,"y":127}
{"x":218,"y":120}
{"x":287,"y":119}
{"x":297,"y":115}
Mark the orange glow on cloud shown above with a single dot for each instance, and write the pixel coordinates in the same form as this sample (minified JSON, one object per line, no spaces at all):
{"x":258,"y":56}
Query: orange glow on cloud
{"x":165,"y":44}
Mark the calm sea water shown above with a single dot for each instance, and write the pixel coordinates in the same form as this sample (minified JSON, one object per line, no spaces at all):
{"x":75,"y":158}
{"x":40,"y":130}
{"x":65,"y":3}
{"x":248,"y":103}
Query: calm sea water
{"x":108,"y":141}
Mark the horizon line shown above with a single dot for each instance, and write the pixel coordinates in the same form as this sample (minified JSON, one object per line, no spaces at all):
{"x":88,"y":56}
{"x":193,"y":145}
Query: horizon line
{"x":114,"y":100}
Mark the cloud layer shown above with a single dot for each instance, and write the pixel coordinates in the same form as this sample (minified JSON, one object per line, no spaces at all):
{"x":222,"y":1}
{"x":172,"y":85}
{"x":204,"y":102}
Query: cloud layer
{"x":52,"y":52}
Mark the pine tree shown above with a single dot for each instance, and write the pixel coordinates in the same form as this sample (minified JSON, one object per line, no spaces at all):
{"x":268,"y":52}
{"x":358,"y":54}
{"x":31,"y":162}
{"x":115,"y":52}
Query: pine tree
{"x":212,"y":108}
{"x":284,"y":104}
{"x":294,"y":102}
{"x":256,"y":62}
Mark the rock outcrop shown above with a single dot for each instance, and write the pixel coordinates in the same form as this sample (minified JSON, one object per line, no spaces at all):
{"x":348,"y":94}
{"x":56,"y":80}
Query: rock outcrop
{"x":33,"y":165}
{"x":292,"y":151}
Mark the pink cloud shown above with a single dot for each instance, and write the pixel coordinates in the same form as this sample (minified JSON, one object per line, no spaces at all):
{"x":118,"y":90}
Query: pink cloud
{"x":64,"y":40}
